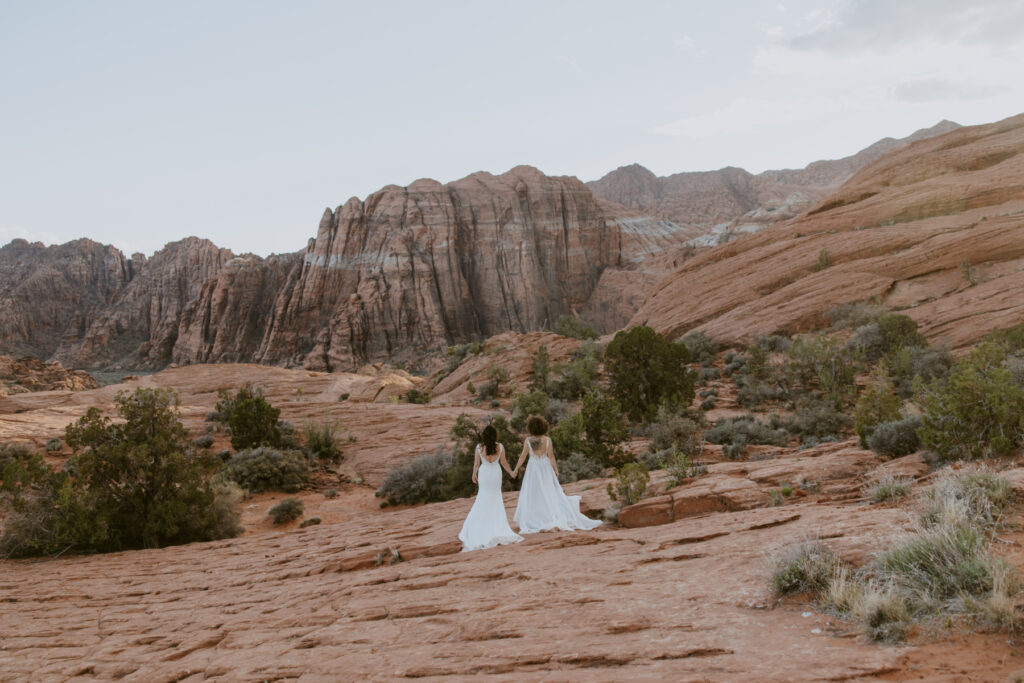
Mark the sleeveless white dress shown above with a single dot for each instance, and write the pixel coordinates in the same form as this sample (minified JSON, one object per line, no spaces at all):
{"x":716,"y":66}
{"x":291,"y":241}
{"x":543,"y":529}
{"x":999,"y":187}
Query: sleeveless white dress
{"x":486,"y":524}
{"x":543,"y":504}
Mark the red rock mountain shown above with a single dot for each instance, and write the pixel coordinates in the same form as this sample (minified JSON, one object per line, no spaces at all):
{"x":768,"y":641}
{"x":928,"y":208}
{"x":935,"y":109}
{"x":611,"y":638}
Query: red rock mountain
{"x":934,"y":229}
{"x":702,"y":200}
{"x":405,"y":272}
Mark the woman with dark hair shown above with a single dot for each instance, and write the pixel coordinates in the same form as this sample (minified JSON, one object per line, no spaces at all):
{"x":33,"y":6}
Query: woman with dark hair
{"x":543,"y":504}
{"x":486,"y":524}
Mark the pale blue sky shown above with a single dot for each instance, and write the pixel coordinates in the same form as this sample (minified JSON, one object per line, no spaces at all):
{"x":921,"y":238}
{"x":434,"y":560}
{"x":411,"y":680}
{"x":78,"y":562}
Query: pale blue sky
{"x":139,"y":123}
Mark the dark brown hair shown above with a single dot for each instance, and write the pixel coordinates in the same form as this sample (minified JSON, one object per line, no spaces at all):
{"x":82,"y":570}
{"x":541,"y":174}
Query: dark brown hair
{"x":489,"y":436}
{"x":537,"y":425}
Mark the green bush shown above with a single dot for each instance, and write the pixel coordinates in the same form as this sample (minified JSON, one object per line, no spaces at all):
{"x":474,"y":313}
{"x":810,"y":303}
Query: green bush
{"x":525,"y":405}
{"x":1010,"y":339}
{"x":422,"y":479}
{"x":877,"y":404}
{"x":924,"y":362}
{"x":897,"y":438}
{"x":604,"y":429}
{"x":746,"y":430}
{"x":976,"y":412}
{"x":52,"y":446}
{"x":854,"y":315}
{"x":252,"y":420}
{"x":815,"y":419}
{"x":578,"y":376}
{"x":204,"y":441}
{"x":671,"y":430}
{"x":646,"y":371}
{"x":679,"y":466}
{"x":702,"y":347}
{"x":576,"y":467}
{"x":322,"y":442}
{"x":268,"y":469}
{"x":571,"y":326}
{"x":630,"y":484}
{"x":310,"y":522}
{"x":820,"y":363}
{"x":288,"y":510}
{"x":417,"y":396}
{"x":540,"y":370}
{"x":14,"y":452}
{"x":567,"y":436}
{"x":134,"y":484}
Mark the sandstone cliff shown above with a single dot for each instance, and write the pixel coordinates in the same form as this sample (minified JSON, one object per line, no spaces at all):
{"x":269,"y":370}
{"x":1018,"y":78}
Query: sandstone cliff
{"x":935,"y":229}
{"x":705,"y":199}
{"x":408,"y":271}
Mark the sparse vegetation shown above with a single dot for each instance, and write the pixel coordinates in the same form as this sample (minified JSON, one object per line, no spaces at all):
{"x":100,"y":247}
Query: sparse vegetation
{"x":977,"y":411}
{"x":630,"y":484}
{"x":805,"y":567}
{"x":888,"y":488}
{"x":417,"y":396}
{"x":540,"y":370}
{"x":288,"y":510}
{"x":877,"y":404}
{"x":54,"y":445}
{"x":896,"y":438}
{"x":322,"y":442}
{"x":251,"y":419}
{"x":571,"y":326}
{"x":131,"y":484}
{"x":824,"y":260}
{"x":422,"y":479}
{"x":268,"y":469}
{"x":646,"y":371}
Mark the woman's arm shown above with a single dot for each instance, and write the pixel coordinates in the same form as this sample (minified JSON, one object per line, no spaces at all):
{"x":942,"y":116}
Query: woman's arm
{"x":520,"y":461}
{"x":503,"y":461}
{"x":551,"y":457}
{"x":476,"y":462}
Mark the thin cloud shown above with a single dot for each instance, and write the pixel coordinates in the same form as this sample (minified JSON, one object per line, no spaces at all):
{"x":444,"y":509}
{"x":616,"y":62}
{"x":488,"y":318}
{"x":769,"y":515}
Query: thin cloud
{"x":885,"y":25}
{"x":937,"y":90}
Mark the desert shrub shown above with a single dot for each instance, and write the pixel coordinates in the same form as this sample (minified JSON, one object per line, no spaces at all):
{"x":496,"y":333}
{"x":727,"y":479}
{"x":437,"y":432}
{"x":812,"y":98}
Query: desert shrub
{"x":978,"y":498}
{"x":525,"y":405}
{"x":14,"y":452}
{"x":820,"y":362}
{"x":702,"y":347}
{"x":734,"y":363}
{"x":887,"y":488}
{"x":567,"y":436}
{"x":422,"y":479}
{"x":805,"y":567}
{"x":134,"y":484}
{"x":707,"y":404}
{"x":866,"y":342}
{"x":1010,"y":339}
{"x":498,"y":378}
{"x":896,"y":438}
{"x":252,"y":420}
{"x":774,"y":343}
{"x":571,"y":326}
{"x":824,"y":260}
{"x":646,"y":371}
{"x":604,"y":429}
{"x":854,"y":314}
{"x":1015,"y":364}
{"x":745,"y":429}
{"x":458,"y":353}
{"x":331,"y":493}
{"x":939,"y":565}
{"x":671,"y":430}
{"x":322,"y":442}
{"x":204,"y":441}
{"x":53,"y":445}
{"x":975,"y":412}
{"x":815,"y":419}
{"x":417,"y":396}
{"x":540,"y":370}
{"x":908,"y":363}
{"x":752,"y":392}
{"x":577,"y":467}
{"x":268,"y":469}
{"x":679,"y":466}
{"x":706,"y":374}
{"x":578,"y":376}
{"x":877,"y":404}
{"x":312,"y":521}
{"x":288,"y":510}
{"x":630,"y":484}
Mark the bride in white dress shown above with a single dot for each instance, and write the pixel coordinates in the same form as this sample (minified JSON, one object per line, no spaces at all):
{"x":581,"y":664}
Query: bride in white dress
{"x":543,"y":504}
{"x":486,"y":524}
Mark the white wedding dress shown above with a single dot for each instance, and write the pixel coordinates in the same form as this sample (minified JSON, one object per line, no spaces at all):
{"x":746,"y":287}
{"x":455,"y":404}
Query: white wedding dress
{"x":543,"y":504}
{"x":486,"y":524}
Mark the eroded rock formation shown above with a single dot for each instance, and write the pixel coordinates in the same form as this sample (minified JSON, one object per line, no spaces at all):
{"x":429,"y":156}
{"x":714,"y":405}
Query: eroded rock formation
{"x":935,"y":229}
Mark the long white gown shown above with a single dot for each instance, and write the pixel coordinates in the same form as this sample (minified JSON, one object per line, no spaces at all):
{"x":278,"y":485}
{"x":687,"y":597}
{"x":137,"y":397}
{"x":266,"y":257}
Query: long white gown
{"x":543,"y":504}
{"x":486,"y":524}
